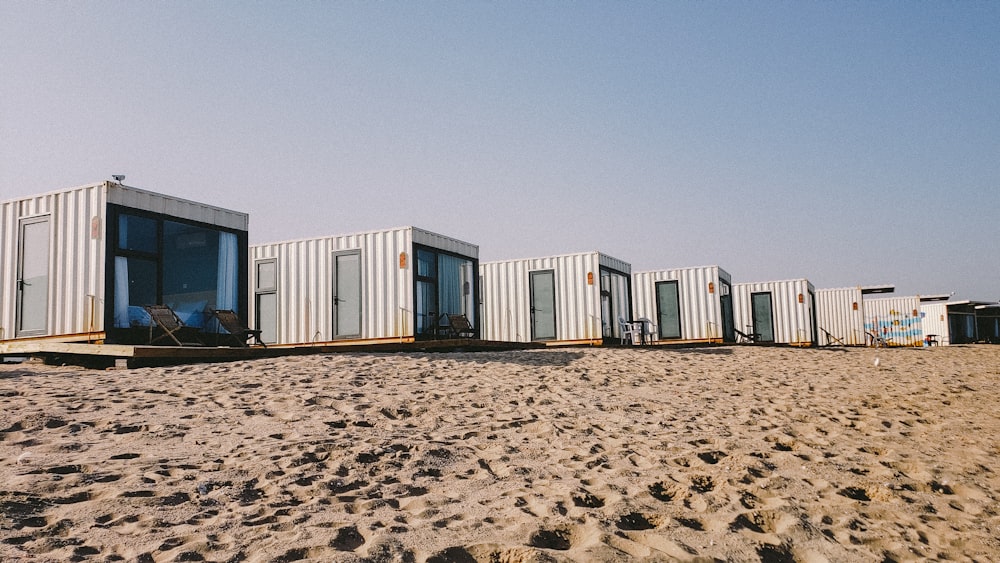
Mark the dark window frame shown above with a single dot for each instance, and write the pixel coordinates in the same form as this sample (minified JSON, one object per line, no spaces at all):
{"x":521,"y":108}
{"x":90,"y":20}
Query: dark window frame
{"x":112,"y":250}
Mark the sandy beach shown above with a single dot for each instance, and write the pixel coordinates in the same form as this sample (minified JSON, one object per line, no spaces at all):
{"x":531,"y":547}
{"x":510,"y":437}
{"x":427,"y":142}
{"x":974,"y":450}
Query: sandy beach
{"x":578,"y":454}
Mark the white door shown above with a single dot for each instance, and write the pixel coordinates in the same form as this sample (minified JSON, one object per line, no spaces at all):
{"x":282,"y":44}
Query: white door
{"x":33,"y":278}
{"x":347,"y":295}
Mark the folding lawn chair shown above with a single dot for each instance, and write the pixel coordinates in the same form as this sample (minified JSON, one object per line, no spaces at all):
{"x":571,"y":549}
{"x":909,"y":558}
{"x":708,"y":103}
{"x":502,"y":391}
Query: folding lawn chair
{"x":235,"y":329}
{"x":173,"y":328}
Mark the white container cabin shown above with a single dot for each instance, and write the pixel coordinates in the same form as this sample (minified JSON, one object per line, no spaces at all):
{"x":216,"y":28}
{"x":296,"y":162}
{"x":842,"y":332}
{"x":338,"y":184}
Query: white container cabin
{"x":988,"y":322}
{"x":557,"y":300}
{"x":960,"y":322}
{"x":840,"y":314}
{"x":895,"y":320}
{"x":386,"y":285}
{"x":686,"y":304}
{"x":78,"y":265}
{"x":780,"y":312}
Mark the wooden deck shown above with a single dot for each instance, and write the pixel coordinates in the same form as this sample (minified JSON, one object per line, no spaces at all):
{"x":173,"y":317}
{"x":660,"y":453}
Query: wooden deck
{"x":123,"y":355}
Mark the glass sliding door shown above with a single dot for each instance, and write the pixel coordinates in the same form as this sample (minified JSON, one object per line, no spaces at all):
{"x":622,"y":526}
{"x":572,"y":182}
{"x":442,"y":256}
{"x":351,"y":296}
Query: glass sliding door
{"x":445,"y":285}
{"x":616,"y":301}
{"x":33,"y":278}
{"x":192,"y":273}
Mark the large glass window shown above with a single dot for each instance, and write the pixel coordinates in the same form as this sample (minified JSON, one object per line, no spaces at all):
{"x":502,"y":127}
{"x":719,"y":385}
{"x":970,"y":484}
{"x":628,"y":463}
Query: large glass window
{"x":190,"y":268}
{"x":445,"y":285}
{"x":138,"y":234}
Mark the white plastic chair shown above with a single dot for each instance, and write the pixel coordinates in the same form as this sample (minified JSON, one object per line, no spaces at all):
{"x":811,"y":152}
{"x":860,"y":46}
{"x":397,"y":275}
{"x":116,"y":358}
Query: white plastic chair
{"x":628,"y":331}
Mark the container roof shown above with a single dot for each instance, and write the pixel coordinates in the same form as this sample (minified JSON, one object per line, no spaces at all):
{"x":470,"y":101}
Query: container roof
{"x":870,"y":289}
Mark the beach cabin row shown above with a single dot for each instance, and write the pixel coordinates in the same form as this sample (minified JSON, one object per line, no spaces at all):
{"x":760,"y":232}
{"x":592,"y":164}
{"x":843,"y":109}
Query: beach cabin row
{"x":80,"y":264}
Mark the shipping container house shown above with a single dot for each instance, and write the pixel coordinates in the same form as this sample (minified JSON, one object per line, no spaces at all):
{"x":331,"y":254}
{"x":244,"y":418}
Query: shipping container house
{"x":840,"y":314}
{"x":686,"y":304}
{"x":78,"y":265}
{"x":781,"y":312}
{"x":959,"y":322}
{"x":895,"y":320}
{"x":387,"y":285}
{"x":988,"y":322}
{"x":558,"y":300}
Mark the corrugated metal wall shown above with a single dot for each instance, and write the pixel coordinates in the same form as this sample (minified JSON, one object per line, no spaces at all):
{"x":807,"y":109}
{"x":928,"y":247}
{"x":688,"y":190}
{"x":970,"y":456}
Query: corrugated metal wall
{"x":305,"y":282}
{"x":305,"y":285}
{"x":793,"y":321}
{"x":840,"y":311}
{"x":934,"y":320}
{"x":76,"y":259}
{"x":895,"y":318}
{"x":701,"y":311}
{"x":506,"y":307}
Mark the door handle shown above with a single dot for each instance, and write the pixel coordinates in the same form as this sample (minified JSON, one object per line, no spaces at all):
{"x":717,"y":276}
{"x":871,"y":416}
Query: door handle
{"x":21,"y":284}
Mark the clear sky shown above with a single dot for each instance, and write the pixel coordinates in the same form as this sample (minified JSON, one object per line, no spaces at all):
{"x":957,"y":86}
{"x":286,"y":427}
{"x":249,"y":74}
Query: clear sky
{"x":845,"y":142}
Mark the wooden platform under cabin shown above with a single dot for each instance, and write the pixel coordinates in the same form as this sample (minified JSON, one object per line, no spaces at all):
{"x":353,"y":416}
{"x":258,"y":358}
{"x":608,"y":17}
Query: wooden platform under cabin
{"x":129,"y":356}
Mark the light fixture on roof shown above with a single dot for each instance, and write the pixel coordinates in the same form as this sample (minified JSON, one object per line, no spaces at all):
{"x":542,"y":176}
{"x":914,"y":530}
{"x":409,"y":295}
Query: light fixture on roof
{"x":118,"y":177}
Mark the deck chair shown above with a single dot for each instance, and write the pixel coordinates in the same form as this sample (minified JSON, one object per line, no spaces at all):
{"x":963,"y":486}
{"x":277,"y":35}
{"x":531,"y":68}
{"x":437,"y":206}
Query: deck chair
{"x":832,"y":340}
{"x":173,"y":328}
{"x":746,"y":338}
{"x":875,"y":340}
{"x":235,"y":329}
{"x":459,"y":326}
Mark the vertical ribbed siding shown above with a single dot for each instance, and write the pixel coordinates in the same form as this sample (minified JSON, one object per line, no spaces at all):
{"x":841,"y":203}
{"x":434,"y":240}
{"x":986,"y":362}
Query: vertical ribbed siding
{"x":836,"y":313}
{"x":506,"y":296}
{"x":76,"y":260}
{"x":934,"y":320}
{"x":895,"y":318}
{"x":793,"y":321}
{"x":305,"y":282}
{"x":8,"y":267}
{"x":701,"y":311}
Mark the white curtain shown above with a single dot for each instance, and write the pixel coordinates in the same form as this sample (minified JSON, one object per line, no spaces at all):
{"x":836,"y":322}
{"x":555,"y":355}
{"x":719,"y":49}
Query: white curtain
{"x":227,"y":290}
{"x":449,"y":284}
{"x":121,"y":292}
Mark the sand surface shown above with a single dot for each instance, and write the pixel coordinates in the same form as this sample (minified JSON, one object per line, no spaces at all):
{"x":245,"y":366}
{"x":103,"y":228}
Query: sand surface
{"x":585,"y":454}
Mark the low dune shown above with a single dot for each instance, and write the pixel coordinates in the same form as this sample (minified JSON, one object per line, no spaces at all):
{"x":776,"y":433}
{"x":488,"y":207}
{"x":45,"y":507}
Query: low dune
{"x":579,"y":454}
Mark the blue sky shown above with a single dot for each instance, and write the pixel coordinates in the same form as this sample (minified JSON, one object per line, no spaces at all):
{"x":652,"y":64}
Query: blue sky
{"x":846,"y":142}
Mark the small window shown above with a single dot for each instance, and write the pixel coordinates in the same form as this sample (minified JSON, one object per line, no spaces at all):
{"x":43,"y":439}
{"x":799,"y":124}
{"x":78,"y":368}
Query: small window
{"x":425,"y":263}
{"x":266,"y":275}
{"x":137,"y":233}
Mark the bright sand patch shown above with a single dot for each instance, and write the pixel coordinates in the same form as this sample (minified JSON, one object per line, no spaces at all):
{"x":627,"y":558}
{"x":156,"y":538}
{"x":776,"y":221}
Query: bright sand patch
{"x":738,"y":454}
